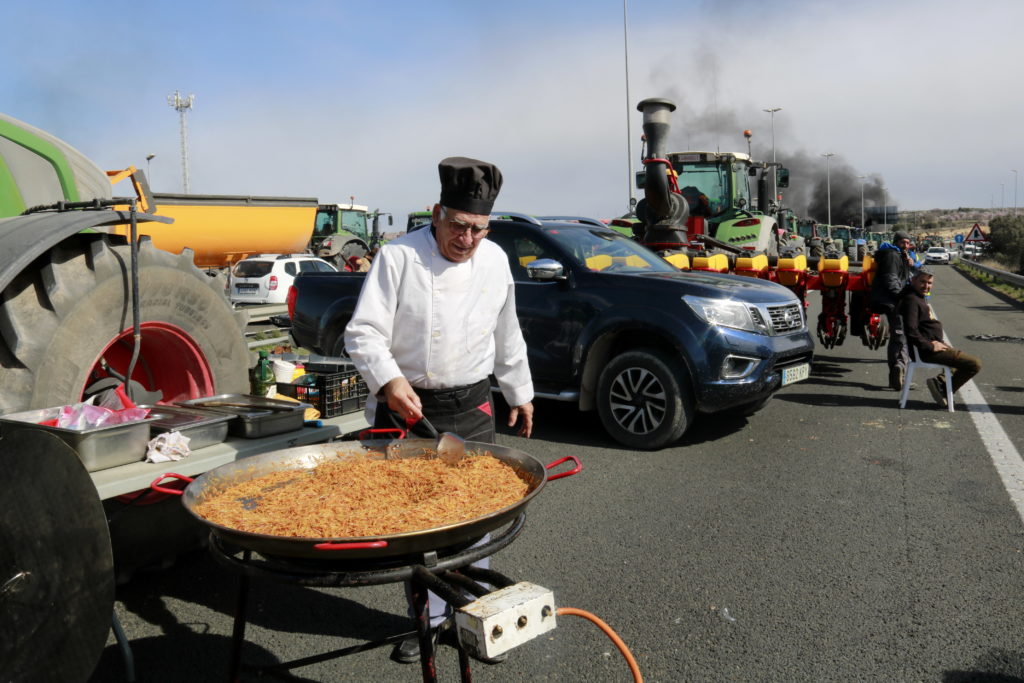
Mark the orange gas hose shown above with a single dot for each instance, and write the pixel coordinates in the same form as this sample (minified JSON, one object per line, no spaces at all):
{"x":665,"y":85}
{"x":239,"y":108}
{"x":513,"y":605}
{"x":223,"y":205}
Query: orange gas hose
{"x":627,"y":655}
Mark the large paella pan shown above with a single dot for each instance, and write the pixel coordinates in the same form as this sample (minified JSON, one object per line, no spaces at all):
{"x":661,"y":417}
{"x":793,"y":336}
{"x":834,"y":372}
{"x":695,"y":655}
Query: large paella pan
{"x":383,"y":547}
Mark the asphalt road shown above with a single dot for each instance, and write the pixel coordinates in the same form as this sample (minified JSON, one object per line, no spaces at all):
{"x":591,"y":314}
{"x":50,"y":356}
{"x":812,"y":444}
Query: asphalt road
{"x":830,"y":537}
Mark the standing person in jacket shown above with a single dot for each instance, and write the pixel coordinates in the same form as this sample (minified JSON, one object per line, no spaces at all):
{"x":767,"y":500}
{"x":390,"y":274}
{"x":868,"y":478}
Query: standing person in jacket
{"x":924,"y":331}
{"x":895,"y":264}
{"x":435,"y":318}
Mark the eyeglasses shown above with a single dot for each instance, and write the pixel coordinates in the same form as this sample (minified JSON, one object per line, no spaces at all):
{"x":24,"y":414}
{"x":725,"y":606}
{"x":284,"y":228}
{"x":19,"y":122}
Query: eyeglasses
{"x":460,"y":226}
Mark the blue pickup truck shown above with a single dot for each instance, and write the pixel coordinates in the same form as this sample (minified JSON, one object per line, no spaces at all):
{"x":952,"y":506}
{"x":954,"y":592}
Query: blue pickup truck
{"x":612,"y":326}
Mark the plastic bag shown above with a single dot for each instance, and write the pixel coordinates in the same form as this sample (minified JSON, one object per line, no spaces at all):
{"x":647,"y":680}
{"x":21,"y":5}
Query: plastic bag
{"x":114,"y":407}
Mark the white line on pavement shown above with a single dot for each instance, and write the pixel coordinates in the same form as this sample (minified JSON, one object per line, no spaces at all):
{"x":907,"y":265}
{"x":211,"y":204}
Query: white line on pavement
{"x":1005,"y":456}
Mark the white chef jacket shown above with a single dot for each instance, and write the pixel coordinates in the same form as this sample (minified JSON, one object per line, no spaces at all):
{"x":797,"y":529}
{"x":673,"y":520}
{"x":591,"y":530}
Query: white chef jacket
{"x":438,"y":323}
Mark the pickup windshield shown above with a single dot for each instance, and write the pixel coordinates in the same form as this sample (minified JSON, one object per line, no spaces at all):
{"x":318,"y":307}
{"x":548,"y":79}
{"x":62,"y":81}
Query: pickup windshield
{"x":607,"y":250}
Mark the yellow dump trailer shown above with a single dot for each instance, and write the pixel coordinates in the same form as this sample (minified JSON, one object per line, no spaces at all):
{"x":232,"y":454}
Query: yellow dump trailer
{"x":224,"y":229}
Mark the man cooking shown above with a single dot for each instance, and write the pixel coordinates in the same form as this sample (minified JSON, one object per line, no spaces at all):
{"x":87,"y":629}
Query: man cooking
{"x":436,"y":317}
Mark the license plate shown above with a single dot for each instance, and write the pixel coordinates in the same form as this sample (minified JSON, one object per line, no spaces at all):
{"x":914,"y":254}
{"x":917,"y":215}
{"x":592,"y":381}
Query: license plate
{"x":246,"y":286}
{"x":796,"y":373}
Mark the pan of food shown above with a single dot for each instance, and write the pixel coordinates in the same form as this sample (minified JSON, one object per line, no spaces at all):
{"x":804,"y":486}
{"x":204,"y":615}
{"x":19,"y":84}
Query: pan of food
{"x":364,"y":500}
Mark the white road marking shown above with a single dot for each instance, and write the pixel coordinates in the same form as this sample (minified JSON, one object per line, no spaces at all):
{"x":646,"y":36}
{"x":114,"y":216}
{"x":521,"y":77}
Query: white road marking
{"x":1009,"y":464}
{"x":1004,"y":455}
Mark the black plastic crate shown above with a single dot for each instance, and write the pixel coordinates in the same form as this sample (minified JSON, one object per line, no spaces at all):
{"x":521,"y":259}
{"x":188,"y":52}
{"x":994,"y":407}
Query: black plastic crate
{"x":337,"y":393}
{"x":324,"y":367}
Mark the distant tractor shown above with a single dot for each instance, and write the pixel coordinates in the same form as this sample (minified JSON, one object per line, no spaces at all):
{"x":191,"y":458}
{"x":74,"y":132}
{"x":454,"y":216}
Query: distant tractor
{"x":417,"y":219}
{"x":714,"y":209}
{"x":341,"y":232}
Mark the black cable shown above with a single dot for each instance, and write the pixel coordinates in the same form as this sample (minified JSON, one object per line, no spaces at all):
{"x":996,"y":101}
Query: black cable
{"x":136,"y":314}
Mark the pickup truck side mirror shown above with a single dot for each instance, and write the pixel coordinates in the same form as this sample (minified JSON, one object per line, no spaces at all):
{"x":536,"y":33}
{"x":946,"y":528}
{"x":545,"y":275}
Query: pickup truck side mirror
{"x":545,"y":270}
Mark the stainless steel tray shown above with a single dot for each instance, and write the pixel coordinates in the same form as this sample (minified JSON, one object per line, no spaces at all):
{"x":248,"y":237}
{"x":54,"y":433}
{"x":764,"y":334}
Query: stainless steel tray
{"x":255,"y":416}
{"x":99,"y":448}
{"x":203,"y":428}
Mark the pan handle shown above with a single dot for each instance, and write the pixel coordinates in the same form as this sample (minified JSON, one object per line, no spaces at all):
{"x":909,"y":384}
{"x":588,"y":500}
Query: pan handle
{"x":575,"y":470}
{"x":369,"y":433}
{"x":173,"y":492}
{"x":362,"y":545}
{"x":431,"y":430}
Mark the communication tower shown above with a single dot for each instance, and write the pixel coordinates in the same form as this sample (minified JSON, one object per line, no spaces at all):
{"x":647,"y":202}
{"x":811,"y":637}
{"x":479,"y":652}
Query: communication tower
{"x":182,"y":105}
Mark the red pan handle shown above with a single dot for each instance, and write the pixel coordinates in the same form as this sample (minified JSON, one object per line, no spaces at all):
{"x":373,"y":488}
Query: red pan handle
{"x":173,"y":492}
{"x":367,"y":433}
{"x":575,"y":470}
{"x":361,"y":545}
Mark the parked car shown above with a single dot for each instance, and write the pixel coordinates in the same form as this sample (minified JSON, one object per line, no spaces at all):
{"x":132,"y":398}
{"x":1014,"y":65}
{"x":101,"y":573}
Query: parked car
{"x":612,"y":327}
{"x":937,"y":255}
{"x":265,"y":278}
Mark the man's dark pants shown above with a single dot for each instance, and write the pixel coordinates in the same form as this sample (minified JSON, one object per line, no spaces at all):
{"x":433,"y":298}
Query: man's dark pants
{"x":896,"y":351}
{"x":965,"y":366}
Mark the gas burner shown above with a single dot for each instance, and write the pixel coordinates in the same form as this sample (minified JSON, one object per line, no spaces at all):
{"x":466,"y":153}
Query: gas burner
{"x":446,"y":571}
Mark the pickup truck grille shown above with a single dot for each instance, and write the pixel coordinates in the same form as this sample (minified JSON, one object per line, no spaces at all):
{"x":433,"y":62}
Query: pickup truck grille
{"x":786,"y":318}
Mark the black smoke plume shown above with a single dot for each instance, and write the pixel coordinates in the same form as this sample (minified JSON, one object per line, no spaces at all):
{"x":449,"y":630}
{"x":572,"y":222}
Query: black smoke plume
{"x":718,"y":130}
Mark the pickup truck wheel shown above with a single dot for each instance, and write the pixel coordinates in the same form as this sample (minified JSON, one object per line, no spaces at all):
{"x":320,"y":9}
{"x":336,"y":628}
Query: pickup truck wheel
{"x":643,"y":399}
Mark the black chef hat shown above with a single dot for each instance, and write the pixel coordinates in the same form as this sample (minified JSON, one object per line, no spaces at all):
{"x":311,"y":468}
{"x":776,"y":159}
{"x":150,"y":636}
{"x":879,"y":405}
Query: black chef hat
{"x":469,"y":185}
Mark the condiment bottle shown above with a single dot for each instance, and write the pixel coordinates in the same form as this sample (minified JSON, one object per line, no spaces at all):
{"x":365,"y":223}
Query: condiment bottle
{"x":262,"y":376}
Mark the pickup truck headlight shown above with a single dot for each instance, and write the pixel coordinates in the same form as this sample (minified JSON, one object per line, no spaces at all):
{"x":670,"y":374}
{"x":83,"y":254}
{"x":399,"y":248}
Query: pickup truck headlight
{"x":727,"y":313}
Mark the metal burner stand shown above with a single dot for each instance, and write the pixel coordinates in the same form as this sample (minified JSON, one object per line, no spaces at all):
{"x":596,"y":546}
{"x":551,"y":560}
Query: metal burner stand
{"x":433,"y":570}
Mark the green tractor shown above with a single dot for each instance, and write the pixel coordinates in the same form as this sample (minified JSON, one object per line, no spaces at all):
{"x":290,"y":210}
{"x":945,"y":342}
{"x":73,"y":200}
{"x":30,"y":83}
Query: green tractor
{"x":345,"y":231}
{"x":716,"y":187}
{"x":417,"y":219}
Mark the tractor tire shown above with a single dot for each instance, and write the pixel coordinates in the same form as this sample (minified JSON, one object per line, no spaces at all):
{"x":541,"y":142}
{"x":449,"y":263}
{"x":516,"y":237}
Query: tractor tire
{"x":851,"y":252}
{"x":862,"y":251}
{"x":72,"y":307}
{"x":350,"y":249}
{"x":644,"y":399}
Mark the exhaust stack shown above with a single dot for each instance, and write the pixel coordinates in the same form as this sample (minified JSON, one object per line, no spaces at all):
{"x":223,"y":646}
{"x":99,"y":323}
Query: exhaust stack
{"x":663,"y":210}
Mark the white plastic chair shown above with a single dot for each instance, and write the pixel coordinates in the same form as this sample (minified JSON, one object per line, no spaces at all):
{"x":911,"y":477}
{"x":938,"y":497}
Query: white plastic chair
{"x":914,"y":364}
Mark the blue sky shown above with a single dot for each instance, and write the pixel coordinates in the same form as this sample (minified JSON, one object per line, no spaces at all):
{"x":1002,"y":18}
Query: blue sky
{"x":339,"y":99}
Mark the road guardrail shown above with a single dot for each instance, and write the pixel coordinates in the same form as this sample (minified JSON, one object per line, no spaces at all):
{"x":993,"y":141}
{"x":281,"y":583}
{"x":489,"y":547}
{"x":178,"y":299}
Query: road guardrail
{"x":1001,"y":275}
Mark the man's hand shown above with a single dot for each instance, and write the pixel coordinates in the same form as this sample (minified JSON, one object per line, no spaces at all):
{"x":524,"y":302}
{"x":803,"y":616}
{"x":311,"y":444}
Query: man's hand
{"x":939,"y":346}
{"x":402,"y":399}
{"x":526,"y":411}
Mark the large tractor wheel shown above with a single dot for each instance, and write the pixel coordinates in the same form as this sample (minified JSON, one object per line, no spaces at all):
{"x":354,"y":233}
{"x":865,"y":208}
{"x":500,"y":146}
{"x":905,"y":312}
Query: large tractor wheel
{"x":66,"y":325}
{"x":644,"y":399}
{"x":353,"y":248}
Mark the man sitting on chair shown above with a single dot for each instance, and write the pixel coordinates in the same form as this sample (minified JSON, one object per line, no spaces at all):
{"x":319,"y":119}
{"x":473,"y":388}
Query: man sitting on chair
{"x":924,"y":333}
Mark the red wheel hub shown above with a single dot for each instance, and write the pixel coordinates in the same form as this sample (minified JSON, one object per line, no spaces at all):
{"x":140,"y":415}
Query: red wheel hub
{"x":169,"y":361}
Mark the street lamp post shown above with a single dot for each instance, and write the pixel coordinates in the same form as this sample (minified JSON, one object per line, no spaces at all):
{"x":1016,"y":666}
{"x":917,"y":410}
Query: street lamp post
{"x":149,"y":177}
{"x":772,"y":112}
{"x":828,"y":183}
{"x":1014,"y":191}
{"x":629,"y":134}
{"x":862,"y":226}
{"x":1002,"y":196}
